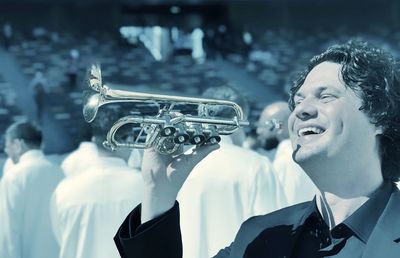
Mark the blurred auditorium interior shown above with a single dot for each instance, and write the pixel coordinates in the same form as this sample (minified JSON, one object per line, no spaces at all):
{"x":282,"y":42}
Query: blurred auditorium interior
{"x":169,"y":47}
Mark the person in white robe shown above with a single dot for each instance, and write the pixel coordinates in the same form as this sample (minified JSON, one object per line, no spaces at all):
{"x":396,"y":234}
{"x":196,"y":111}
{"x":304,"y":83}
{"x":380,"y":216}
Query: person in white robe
{"x":87,"y":208}
{"x":8,"y":164}
{"x":81,"y":158}
{"x":224,"y":190}
{"x":296,"y":183}
{"x":25,"y":196}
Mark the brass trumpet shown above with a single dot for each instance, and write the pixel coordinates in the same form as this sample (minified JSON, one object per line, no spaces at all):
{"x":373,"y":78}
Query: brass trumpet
{"x":167,"y":130}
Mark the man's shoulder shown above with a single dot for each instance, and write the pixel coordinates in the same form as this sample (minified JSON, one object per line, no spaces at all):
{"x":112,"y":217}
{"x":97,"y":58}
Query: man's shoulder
{"x":234,"y":162}
{"x":45,"y":168}
{"x":79,"y":180}
{"x":287,"y":215}
{"x":32,"y":168}
{"x":281,"y":220}
{"x":95,"y":180}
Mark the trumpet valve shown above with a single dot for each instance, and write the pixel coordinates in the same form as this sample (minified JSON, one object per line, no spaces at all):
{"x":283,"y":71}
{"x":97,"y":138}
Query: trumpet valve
{"x":179,"y":139}
{"x":197,"y":136}
{"x":212,"y":136}
{"x":167,"y":130}
{"x":213,"y":139}
{"x":197,"y":139}
{"x":181,"y":136}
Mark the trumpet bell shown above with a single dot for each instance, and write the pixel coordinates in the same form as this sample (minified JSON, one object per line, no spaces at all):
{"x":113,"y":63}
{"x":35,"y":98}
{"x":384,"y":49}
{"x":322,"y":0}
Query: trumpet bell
{"x":92,"y":102}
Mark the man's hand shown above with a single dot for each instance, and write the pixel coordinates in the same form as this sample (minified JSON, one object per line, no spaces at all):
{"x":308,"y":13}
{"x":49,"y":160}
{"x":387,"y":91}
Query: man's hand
{"x":164,"y":176}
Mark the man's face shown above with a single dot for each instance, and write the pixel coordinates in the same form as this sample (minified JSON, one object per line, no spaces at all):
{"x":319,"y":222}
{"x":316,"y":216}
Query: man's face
{"x":327,"y":122}
{"x":266,"y":129}
{"x":11,"y":149}
{"x":269,"y":127}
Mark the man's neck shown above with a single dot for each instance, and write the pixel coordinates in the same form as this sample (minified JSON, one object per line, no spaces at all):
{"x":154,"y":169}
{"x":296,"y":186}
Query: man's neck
{"x":24,"y":153}
{"x":335,"y":209}
{"x":343,"y":188}
{"x":336,"y":206}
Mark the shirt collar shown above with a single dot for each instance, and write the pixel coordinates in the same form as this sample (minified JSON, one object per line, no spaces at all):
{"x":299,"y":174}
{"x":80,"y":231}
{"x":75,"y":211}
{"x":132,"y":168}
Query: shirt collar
{"x":364,"y":219}
{"x":311,"y":209}
{"x":31,"y":154}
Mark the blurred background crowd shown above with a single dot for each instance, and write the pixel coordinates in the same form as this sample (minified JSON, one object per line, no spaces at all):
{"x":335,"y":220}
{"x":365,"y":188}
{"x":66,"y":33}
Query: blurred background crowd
{"x":172,"y":47}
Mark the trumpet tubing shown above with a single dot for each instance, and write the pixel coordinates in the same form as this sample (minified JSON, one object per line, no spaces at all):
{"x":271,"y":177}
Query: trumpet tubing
{"x":167,"y":130}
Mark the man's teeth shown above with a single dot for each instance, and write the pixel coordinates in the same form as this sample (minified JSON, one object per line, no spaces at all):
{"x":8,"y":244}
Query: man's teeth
{"x":310,"y":130}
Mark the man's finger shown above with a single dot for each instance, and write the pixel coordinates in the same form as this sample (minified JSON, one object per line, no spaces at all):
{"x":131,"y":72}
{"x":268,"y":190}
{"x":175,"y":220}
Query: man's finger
{"x":198,"y":154}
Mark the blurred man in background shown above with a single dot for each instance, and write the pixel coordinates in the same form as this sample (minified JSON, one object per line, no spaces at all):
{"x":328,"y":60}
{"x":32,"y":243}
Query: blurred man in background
{"x":25,"y":196}
{"x":273,"y":141}
{"x":272,"y":128}
{"x":83,"y":156}
{"x":88,"y":206}
{"x":233,"y":181}
{"x":38,"y":89}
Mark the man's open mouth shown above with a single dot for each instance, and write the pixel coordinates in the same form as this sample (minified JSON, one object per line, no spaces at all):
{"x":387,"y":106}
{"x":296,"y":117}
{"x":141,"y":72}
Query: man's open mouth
{"x":310,"y":130}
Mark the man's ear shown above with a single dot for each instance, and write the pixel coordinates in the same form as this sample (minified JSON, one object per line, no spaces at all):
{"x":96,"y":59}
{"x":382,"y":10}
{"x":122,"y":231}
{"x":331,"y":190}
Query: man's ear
{"x":379,"y":130}
{"x":19,"y":145}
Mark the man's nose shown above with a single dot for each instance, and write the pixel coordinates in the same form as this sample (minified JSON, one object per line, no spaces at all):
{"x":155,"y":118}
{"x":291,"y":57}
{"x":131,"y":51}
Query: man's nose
{"x":306,"y":110}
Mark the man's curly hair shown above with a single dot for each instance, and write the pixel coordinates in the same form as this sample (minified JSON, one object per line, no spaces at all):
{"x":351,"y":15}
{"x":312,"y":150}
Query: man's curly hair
{"x":373,"y":75}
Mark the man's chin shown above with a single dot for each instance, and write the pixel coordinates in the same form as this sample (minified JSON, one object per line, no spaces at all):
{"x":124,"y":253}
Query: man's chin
{"x":303,"y":154}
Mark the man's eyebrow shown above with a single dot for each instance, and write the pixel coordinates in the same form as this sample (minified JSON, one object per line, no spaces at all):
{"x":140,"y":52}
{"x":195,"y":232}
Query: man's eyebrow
{"x":318,"y":90}
{"x":321,"y":89}
{"x":324,"y":88}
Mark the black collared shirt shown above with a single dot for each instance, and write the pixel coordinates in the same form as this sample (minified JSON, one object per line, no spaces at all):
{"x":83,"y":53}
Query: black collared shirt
{"x":349,"y":238}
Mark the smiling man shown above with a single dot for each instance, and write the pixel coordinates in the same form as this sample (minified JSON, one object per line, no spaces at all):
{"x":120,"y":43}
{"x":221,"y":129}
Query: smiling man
{"x":345,"y":131}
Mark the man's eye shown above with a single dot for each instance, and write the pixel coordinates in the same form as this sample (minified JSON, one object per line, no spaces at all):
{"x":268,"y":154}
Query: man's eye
{"x":297,"y":102}
{"x":327,"y":97}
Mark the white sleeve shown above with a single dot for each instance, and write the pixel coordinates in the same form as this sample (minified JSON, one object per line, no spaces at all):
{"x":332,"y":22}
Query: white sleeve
{"x":65,"y":165}
{"x":11,"y":212}
{"x":55,"y":224}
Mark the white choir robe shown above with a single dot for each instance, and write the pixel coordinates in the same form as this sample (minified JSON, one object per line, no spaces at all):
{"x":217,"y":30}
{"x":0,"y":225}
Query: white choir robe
{"x":25,"y":216}
{"x":296,"y":183}
{"x":226,"y":188}
{"x":8,"y":164}
{"x":88,"y":208}
{"x":80,"y":159}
